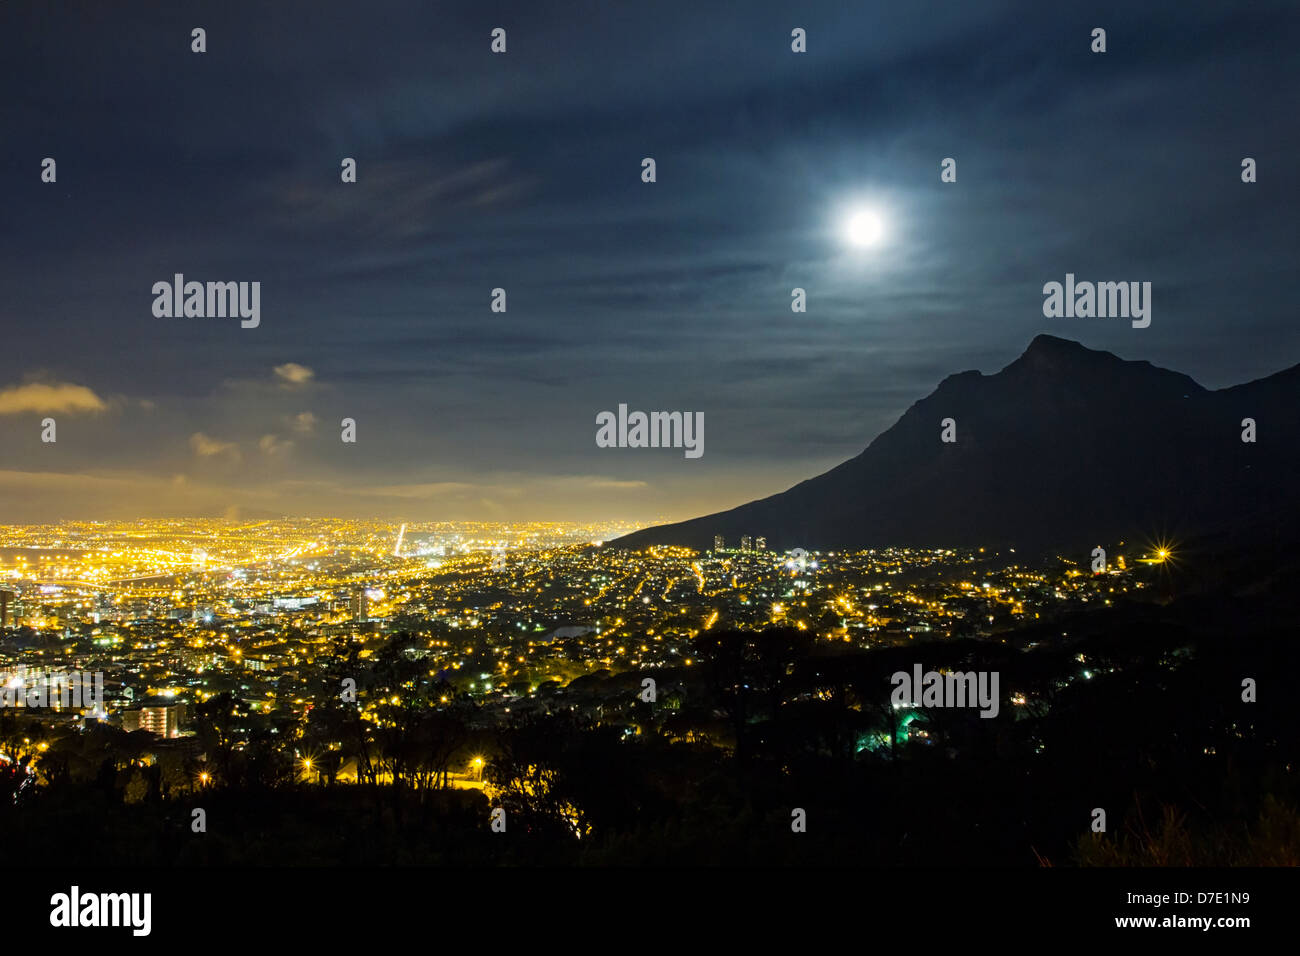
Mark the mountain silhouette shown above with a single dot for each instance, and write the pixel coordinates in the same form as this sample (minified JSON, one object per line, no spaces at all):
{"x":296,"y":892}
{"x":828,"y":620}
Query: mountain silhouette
{"x":1066,"y":446}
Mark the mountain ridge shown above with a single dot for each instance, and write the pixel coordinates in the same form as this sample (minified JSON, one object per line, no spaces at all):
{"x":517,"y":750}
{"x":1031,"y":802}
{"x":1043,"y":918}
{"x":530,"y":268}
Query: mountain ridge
{"x":1063,"y":444}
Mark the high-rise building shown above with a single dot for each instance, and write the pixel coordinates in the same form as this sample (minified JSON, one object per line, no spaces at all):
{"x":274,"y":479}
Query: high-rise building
{"x":760,"y":543}
{"x":718,"y":542}
{"x":161,"y":719}
{"x":359,"y":605}
{"x":746,"y":543}
{"x":8,"y":600}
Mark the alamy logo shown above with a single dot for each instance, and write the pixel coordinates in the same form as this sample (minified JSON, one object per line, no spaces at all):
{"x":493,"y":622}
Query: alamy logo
{"x":103,"y":909}
{"x":953,"y":689}
{"x":1102,"y":300}
{"x":211,"y":300}
{"x":655,"y":430}
{"x":58,"y":689}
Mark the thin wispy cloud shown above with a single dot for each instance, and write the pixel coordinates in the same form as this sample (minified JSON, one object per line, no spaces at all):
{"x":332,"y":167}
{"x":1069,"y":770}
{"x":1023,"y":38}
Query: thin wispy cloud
{"x":207,"y":447}
{"x":293,"y":375}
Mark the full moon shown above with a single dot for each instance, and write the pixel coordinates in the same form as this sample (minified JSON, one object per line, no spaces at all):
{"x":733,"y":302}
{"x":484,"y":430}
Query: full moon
{"x":864,"y":228}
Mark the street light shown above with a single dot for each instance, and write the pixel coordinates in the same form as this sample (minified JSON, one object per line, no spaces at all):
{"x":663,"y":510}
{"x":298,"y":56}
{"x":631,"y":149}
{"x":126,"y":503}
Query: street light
{"x":478,"y":767}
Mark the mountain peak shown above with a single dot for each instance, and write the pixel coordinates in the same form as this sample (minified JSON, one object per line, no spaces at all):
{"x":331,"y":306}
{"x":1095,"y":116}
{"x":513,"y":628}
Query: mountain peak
{"x":1050,"y":354}
{"x":1043,"y":340}
{"x":1065,"y":359}
{"x":1044,"y":344}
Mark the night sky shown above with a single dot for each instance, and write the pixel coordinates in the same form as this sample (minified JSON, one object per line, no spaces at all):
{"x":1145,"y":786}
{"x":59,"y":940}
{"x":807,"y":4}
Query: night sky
{"x":523,"y":171}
